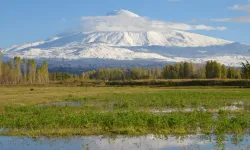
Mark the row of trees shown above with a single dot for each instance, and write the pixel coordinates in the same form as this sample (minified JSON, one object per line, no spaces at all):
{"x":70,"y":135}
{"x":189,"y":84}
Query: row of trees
{"x":62,"y":76}
{"x":23,"y":71}
{"x":122,"y":74}
{"x":216,"y":70}
{"x":183,"y":70}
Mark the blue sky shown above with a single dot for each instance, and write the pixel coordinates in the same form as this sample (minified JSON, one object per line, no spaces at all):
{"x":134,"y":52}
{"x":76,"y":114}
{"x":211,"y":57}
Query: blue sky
{"x":24,"y":21}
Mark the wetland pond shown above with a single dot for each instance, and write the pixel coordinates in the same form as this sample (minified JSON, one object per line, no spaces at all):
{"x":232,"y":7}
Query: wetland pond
{"x":151,"y":142}
{"x":64,"y":118}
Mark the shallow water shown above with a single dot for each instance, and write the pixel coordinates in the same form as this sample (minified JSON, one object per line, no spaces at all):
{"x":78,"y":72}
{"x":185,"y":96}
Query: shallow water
{"x":122,"y":143}
{"x":236,"y":106}
{"x":2,"y":130}
{"x":64,"y":103}
{"x":170,"y":110}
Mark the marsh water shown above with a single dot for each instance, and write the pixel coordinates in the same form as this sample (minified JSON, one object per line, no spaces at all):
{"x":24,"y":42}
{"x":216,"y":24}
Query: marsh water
{"x":151,"y":142}
{"x":236,"y":106}
{"x":196,"y":142}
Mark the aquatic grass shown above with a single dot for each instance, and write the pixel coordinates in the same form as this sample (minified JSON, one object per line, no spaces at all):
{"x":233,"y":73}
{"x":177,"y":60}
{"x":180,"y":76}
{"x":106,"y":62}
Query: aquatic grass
{"x":21,"y":95}
{"x":179,"y":97}
{"x":171,"y":98}
{"x":123,"y":110}
{"x":129,"y":122}
{"x":235,"y":124}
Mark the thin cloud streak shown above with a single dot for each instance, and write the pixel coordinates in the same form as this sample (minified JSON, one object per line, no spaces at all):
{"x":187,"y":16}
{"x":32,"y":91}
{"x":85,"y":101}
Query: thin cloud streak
{"x":240,"y":19}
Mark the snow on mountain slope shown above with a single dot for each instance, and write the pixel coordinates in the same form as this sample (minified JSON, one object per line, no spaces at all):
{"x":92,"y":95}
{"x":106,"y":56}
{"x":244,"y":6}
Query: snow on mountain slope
{"x":170,"y":38}
{"x":106,"y":52}
{"x":101,"y":51}
{"x":29,"y":45}
{"x":136,"y":42}
{"x":20,"y":47}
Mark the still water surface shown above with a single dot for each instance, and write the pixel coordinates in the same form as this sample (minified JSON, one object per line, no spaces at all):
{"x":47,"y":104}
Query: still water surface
{"x":150,"y":142}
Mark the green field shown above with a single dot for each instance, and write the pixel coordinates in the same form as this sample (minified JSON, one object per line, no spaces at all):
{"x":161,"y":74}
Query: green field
{"x":124,"y":110}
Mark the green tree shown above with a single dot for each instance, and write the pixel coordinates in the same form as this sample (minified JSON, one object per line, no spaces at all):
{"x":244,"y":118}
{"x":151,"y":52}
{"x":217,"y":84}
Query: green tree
{"x":188,"y":70}
{"x":213,"y":69}
{"x":43,"y":73}
{"x":166,"y":72}
{"x":246,"y":70}
{"x":201,"y":73}
{"x":24,"y":63}
{"x":17,"y":72}
{"x":157,"y":73}
{"x":181,"y":71}
{"x":177,"y":67}
{"x":217,"y":70}
{"x":233,"y":73}
{"x":223,"y":72}
{"x":32,"y":71}
{"x":10,"y":75}
{"x":209,"y":69}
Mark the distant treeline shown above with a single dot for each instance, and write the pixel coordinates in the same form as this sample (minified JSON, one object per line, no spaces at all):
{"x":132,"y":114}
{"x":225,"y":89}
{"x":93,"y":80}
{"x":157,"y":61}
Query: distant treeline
{"x":26,"y":71}
{"x":183,"y":70}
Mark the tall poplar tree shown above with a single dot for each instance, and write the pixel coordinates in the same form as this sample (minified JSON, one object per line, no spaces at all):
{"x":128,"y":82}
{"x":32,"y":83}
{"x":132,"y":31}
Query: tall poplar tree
{"x":10,"y":74}
{"x":24,"y":62}
{"x":246,"y":70}
{"x":32,"y":70}
{"x":18,"y":72}
{"x":223,"y":72}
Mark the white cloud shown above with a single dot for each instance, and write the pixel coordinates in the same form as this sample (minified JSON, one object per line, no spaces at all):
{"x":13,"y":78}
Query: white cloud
{"x":244,"y":8}
{"x":241,"y":19}
{"x":221,"y":20}
{"x":245,"y":19}
{"x":124,"y":21}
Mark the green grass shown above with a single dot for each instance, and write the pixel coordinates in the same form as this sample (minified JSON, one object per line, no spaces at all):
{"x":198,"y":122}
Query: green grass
{"x":171,"y":98}
{"x":22,"y":96}
{"x":157,"y":97}
{"x":122,"y":110}
{"x":32,"y":120}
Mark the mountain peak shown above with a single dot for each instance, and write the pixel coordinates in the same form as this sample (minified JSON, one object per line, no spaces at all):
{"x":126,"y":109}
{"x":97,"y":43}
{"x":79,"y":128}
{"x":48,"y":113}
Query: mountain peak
{"x":122,"y":12}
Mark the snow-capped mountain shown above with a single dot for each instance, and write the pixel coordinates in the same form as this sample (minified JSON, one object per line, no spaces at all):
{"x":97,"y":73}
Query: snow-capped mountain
{"x":125,"y":36}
